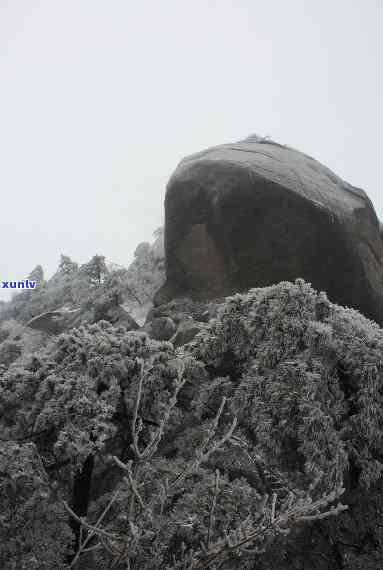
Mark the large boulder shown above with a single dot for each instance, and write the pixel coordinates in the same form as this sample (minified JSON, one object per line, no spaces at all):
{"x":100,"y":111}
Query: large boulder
{"x":254,"y":213}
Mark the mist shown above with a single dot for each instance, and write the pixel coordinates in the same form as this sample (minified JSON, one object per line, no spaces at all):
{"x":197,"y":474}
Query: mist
{"x":99,"y":101}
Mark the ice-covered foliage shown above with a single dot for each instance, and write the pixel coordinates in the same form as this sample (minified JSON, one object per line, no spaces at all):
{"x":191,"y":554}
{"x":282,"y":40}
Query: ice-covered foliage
{"x":308,"y":380}
{"x":257,"y":138}
{"x":72,"y":401}
{"x":34,"y":533}
{"x":189,"y":458}
{"x":93,"y":282}
{"x":71,"y":390}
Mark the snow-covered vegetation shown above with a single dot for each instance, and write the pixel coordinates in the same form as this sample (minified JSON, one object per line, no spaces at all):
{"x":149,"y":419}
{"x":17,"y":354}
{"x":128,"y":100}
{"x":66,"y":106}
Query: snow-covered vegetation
{"x":74,"y":286}
{"x":118,"y":451}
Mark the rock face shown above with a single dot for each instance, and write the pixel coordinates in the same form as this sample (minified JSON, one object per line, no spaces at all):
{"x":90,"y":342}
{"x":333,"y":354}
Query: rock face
{"x":255,"y":213}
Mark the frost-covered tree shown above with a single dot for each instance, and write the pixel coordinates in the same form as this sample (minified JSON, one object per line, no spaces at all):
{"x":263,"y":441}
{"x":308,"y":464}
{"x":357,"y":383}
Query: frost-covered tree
{"x":94,"y":283}
{"x":74,"y":401}
{"x":27,"y":303}
{"x":37,"y":274}
{"x":67,"y":267}
{"x":95,"y":269}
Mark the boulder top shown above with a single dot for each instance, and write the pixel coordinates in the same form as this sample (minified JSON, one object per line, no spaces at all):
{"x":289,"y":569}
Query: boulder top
{"x":282,"y":165}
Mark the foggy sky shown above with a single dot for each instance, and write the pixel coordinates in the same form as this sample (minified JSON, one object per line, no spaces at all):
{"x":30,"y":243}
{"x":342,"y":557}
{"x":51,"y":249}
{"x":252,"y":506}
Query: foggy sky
{"x":100,"y":99}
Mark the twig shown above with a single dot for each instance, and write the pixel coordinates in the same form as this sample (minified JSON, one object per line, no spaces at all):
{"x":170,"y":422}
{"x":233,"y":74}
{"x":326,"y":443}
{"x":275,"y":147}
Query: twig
{"x":201,"y":456}
{"x":83,"y":522}
{"x":153,"y":444}
{"x":213,"y":507}
{"x":156,"y":437}
{"x":128,"y":468}
{"x":135,"y":432}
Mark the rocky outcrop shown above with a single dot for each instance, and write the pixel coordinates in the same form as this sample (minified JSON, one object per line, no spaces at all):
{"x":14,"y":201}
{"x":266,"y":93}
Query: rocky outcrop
{"x":160,"y":328}
{"x":57,"y":322}
{"x":255,"y":213}
{"x":179,"y":321}
{"x":186,"y":332}
{"x":182,"y":309}
{"x":117,"y":316}
{"x":4,"y":334}
{"x":9,"y":352}
{"x":145,"y":275}
{"x":27,"y":339}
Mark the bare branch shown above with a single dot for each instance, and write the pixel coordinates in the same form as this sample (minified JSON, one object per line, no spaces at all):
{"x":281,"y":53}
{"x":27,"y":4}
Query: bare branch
{"x":211,"y":516}
{"x":276,"y":524}
{"x":94,"y":530}
{"x":201,"y":456}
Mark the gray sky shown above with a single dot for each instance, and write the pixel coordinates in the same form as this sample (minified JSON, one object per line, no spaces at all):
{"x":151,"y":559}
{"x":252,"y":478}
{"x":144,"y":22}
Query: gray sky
{"x":100,"y":99}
